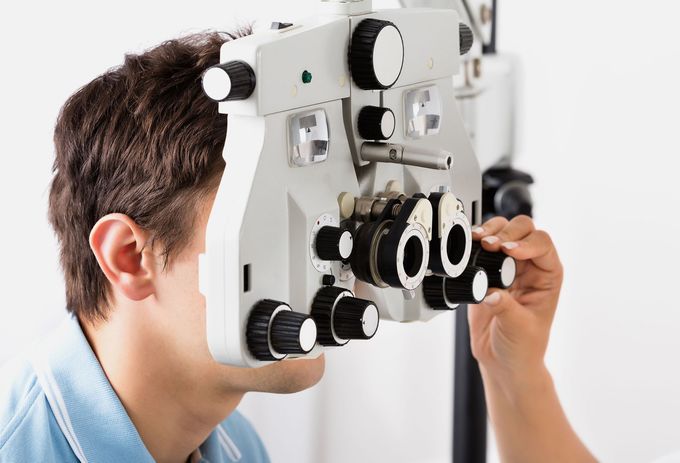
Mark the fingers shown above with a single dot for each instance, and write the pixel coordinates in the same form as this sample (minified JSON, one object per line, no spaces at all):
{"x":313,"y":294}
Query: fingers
{"x":499,"y":301}
{"x":503,"y":307}
{"x":538,"y":247}
{"x":515,"y":230}
{"x":520,"y":239}
{"x":491,"y":227}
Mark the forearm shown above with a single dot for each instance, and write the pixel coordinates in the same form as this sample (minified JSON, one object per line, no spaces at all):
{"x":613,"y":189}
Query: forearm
{"x":529,"y":422}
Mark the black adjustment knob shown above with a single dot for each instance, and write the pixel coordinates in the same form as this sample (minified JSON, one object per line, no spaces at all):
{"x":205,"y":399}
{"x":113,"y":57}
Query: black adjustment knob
{"x":469,"y":288}
{"x":257,"y":329}
{"x":293,"y":332}
{"x":376,"y":123}
{"x":466,"y":38}
{"x":322,"y":312}
{"x":433,"y":292}
{"x":514,"y":199}
{"x":234,"y":80}
{"x":334,"y":243}
{"x":273,"y":330}
{"x":355,"y":318}
{"x":500,"y":268}
{"x":505,"y":192}
{"x":340,"y":316}
{"x":376,"y":54}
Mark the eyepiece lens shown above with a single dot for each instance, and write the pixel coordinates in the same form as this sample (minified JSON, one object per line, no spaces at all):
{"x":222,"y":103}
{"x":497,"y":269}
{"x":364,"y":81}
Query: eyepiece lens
{"x":413,"y":256}
{"x":455,"y":244}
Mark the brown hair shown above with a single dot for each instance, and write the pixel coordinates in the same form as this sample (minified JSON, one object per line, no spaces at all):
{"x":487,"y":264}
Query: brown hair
{"x":142,"y":140}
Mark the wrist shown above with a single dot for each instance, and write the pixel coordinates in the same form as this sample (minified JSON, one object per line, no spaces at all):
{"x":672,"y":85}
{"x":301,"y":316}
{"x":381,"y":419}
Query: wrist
{"x":517,"y":384}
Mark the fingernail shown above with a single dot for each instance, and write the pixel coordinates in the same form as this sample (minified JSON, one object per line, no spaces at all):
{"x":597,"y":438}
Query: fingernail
{"x":510,"y":245}
{"x":493,"y":298}
{"x":478,"y":230}
{"x":490,"y":239}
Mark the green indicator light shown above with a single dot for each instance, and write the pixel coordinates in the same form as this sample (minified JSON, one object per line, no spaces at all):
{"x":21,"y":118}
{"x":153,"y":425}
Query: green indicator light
{"x":306,"y":77}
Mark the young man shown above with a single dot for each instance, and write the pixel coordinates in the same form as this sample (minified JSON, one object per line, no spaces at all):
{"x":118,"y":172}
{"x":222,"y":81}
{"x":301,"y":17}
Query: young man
{"x":128,"y":377}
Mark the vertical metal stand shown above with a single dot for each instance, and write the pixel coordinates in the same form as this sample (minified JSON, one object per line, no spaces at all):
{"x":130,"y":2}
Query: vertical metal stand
{"x":469,"y":404}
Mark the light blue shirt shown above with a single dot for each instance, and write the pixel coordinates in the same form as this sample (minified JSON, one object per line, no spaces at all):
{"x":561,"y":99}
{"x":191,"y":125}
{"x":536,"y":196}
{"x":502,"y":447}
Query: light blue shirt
{"x":58,"y":406}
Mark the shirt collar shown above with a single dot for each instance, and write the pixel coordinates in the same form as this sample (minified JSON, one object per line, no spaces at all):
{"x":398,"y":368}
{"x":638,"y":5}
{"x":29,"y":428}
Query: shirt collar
{"x":89,"y":412}
{"x":87,"y":409}
{"x":196,"y":457}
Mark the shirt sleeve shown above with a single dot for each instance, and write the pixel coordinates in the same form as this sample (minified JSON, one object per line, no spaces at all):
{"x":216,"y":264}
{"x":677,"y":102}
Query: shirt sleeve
{"x":28,"y":429}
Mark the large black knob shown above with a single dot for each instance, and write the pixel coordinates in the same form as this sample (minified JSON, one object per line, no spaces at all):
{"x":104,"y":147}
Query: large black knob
{"x":434,"y":294}
{"x":505,"y":192}
{"x":355,"y":318}
{"x":376,"y":54}
{"x":274,"y":330}
{"x":376,"y":123}
{"x":322,"y":313}
{"x":234,"y":80}
{"x":334,"y":243}
{"x":257,"y":329}
{"x":293,"y":333}
{"x":514,"y":199}
{"x":466,"y":38}
{"x":340,"y":316}
{"x":500,"y":268}
{"x":469,"y":288}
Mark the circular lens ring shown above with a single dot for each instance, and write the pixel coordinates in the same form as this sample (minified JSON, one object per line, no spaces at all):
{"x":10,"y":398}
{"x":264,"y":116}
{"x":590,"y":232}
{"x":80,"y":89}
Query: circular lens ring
{"x":458,"y":223}
{"x":414,"y":279}
{"x":413,"y":257}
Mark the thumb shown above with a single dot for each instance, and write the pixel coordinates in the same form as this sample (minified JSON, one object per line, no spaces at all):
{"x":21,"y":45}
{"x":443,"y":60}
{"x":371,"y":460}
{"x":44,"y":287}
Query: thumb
{"x":501,"y":304}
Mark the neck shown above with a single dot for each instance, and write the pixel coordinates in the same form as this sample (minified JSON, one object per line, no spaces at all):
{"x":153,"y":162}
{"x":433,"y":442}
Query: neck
{"x":170,"y":397}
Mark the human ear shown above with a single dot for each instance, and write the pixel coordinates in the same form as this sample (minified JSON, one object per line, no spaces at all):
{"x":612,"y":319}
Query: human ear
{"x":119,"y":246}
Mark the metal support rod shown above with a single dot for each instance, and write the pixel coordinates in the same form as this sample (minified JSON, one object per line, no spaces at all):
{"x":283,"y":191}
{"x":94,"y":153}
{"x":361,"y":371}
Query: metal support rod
{"x":469,"y":405}
{"x":409,"y":156}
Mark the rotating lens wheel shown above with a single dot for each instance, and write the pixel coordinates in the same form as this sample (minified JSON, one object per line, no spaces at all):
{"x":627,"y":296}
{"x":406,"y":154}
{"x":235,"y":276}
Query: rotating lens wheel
{"x":451,"y":243}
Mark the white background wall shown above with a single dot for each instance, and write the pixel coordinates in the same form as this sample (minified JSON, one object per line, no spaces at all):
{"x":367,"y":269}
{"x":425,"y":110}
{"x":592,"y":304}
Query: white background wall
{"x":600,"y":133}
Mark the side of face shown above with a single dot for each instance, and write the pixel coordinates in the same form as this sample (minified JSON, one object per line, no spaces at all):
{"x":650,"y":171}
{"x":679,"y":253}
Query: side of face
{"x":167,"y":302}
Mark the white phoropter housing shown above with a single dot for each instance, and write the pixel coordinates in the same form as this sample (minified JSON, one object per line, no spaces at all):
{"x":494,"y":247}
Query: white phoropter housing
{"x":350,"y":185}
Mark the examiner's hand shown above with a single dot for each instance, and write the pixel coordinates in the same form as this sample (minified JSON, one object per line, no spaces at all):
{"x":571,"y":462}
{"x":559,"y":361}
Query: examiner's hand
{"x":509,"y":331}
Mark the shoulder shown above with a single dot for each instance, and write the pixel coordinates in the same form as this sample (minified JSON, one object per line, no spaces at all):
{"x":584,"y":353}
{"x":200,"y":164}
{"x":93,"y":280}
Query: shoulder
{"x":248,"y":442}
{"x":28,"y":429}
{"x":19,"y":391}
